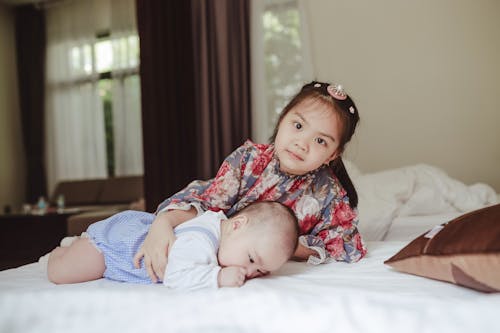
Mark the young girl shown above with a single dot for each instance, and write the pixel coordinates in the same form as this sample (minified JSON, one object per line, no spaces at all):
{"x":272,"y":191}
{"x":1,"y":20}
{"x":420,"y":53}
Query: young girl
{"x":301,"y":168}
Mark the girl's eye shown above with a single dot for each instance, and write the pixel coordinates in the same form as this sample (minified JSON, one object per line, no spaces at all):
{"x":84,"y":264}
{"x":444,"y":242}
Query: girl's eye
{"x":297,"y":125}
{"x":250,"y":259}
{"x":320,"y":141}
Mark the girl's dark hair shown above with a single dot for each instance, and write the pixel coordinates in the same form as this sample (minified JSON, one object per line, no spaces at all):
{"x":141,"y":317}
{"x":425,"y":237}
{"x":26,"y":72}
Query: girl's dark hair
{"x":349,"y":118}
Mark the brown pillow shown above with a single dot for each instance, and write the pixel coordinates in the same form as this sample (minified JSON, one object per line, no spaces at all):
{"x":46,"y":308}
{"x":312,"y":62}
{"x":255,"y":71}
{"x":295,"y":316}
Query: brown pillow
{"x":466,"y":251}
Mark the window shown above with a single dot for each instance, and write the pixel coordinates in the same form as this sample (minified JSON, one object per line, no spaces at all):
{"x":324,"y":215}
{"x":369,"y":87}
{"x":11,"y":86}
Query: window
{"x":114,"y":54}
{"x":285,"y":64}
{"x":111,"y":59}
{"x":93,"y":111}
{"x":283,"y":58}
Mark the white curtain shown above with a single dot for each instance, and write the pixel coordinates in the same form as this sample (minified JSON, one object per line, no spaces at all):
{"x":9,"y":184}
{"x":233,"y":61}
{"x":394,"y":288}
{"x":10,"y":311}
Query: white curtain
{"x":75,"y":126}
{"x":127,"y":124}
{"x":75,"y":132}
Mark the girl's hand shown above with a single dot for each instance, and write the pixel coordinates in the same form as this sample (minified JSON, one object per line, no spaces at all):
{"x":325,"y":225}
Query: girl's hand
{"x":303,"y":253}
{"x":154,"y":250}
{"x":231,"y":276}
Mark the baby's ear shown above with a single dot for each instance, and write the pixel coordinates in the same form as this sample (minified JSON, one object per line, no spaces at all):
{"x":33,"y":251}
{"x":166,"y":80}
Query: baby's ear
{"x":239,"y":221}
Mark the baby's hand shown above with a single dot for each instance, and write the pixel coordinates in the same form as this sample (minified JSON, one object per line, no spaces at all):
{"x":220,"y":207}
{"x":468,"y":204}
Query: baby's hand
{"x":231,"y":276}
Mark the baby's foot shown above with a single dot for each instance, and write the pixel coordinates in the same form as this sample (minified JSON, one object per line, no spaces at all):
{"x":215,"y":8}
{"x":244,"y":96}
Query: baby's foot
{"x":67,"y":241}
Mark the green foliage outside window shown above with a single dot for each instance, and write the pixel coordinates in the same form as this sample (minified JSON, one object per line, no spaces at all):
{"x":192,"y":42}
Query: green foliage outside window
{"x":105,"y":94}
{"x":283,"y":57}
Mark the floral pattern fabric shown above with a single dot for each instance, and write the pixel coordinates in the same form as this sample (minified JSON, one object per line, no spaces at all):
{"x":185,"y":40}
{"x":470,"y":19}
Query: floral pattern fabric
{"x":251,"y":173}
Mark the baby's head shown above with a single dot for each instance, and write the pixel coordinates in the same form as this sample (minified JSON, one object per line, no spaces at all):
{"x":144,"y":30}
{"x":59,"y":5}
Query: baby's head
{"x":260,"y":238}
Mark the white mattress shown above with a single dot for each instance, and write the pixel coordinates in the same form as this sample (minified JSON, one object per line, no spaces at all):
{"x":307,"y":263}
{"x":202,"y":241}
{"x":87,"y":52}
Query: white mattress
{"x":395,"y":207}
{"x":363,"y":297}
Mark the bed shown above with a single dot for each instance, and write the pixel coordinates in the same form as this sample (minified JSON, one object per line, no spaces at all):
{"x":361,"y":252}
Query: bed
{"x":364,"y":297}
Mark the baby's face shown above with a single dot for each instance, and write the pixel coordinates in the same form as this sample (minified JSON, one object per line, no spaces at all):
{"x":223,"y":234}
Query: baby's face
{"x":258,"y":255}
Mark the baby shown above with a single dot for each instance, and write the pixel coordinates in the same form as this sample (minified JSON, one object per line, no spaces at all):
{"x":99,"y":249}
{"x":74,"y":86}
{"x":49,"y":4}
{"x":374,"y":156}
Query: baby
{"x":210,"y":250}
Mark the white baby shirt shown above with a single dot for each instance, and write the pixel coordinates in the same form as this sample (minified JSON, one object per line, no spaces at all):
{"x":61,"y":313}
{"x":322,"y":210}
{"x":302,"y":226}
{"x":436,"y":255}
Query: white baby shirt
{"x":192,"y":260}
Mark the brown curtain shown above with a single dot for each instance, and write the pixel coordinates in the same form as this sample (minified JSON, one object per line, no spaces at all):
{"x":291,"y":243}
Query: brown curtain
{"x":222,"y":67}
{"x":195,"y":83}
{"x":167,"y":85}
{"x":30,"y":49}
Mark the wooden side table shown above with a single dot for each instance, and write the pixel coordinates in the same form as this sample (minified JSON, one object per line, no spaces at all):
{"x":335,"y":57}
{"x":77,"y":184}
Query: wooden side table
{"x":24,"y":238}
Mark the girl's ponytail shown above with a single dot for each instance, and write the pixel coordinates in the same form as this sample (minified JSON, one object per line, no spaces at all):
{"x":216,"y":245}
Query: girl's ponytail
{"x":338,"y":168}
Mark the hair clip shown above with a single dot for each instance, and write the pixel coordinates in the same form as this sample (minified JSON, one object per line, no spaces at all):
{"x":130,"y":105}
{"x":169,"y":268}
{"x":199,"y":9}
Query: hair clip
{"x":317,"y":85}
{"x":337,"y":92}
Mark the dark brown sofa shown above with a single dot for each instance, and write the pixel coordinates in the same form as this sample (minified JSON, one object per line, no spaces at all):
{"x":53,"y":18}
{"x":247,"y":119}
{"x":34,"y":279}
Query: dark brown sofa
{"x":97,"y":199}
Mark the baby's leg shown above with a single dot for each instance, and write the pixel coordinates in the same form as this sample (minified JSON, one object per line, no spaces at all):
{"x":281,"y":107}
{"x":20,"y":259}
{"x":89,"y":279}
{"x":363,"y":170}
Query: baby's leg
{"x":79,"y":262}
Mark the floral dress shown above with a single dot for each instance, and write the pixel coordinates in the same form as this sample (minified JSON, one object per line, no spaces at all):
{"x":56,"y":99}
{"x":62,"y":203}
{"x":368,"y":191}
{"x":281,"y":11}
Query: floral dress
{"x":251,"y":173}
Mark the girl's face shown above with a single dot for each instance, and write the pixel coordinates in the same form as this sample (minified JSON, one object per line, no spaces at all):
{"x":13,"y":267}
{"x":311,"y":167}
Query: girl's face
{"x":308,"y":137}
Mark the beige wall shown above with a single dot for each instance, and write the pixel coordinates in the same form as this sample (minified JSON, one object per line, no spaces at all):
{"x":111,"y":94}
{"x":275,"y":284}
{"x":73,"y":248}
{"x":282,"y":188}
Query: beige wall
{"x":12,"y":165}
{"x":425,"y":76}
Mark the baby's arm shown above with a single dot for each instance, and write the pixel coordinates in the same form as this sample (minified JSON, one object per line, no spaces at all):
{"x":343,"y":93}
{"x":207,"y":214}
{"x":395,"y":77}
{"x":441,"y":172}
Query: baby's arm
{"x":204,"y":276}
{"x":192,"y":264}
{"x":159,"y":240}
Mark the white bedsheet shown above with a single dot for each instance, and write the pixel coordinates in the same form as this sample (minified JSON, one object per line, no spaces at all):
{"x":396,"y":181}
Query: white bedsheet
{"x":363,"y":297}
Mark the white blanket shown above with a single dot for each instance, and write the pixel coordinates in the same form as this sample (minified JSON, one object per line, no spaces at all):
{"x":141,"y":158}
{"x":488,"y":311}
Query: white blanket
{"x":414,"y":190}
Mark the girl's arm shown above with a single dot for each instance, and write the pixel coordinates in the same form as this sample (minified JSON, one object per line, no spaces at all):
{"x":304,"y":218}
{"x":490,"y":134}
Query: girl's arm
{"x":333,"y":233}
{"x":159,"y":240}
{"x":219,"y":193}
{"x":303,"y":253}
{"x":337,"y":235}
